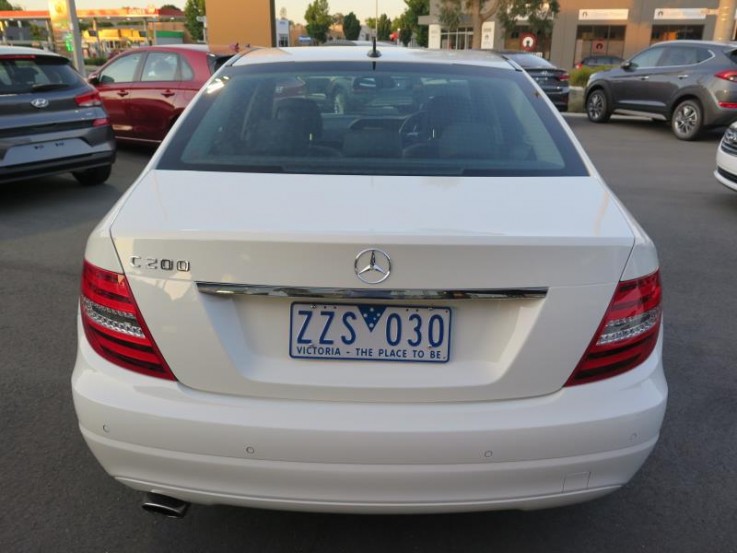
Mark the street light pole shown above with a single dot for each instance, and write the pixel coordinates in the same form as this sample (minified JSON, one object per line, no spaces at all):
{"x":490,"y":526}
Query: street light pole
{"x":376,"y":21}
{"x":76,"y":37}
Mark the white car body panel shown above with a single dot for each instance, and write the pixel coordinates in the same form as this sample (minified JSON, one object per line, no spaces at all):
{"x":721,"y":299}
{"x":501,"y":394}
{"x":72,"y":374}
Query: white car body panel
{"x":577,"y":251}
{"x":726,"y":162}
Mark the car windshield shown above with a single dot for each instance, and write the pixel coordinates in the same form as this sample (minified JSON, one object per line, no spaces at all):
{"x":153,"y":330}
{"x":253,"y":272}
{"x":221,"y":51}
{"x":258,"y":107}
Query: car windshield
{"x":21,"y":74}
{"x":391,"y":119}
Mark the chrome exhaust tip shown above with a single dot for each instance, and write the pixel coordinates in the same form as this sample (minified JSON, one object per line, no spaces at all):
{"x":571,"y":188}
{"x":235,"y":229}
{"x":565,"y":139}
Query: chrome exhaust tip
{"x":164,"y":505}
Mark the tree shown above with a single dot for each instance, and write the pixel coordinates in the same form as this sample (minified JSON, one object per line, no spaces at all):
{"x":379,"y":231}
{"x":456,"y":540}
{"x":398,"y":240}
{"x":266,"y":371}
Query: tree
{"x":351,"y":26}
{"x":540,"y":14}
{"x":7,"y":6}
{"x":409,"y":24}
{"x":170,"y":7}
{"x":384,"y":27}
{"x":450,"y":16}
{"x":318,"y":20}
{"x":192,"y":10}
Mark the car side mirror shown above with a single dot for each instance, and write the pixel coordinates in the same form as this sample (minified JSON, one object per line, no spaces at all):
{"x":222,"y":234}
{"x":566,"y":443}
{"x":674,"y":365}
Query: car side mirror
{"x":93,"y":79}
{"x":626,"y":65}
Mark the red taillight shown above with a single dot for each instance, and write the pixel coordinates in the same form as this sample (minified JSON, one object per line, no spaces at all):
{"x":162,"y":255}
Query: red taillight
{"x":564,"y":77}
{"x":727,"y":75}
{"x":101,"y":122}
{"x":728,"y":105}
{"x":114,"y":326}
{"x":89,"y":99}
{"x":628,"y":333}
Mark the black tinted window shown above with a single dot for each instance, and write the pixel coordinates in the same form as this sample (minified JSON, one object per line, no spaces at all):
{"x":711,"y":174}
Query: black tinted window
{"x":680,"y":55}
{"x":354,"y":119}
{"x":26,"y":73}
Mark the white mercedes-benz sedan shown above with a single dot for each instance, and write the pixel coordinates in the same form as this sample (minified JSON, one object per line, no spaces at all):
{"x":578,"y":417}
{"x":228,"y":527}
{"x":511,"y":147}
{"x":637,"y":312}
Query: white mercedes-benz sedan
{"x":425,"y":301}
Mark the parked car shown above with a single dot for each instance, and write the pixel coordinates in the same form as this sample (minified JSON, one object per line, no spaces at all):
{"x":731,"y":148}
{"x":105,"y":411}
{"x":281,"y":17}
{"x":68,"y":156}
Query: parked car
{"x":726,"y":170}
{"x":293,"y":309}
{"x":690,"y":83}
{"x":598,"y":61}
{"x":146,"y":89}
{"x":51,"y":121}
{"x":553,"y":80}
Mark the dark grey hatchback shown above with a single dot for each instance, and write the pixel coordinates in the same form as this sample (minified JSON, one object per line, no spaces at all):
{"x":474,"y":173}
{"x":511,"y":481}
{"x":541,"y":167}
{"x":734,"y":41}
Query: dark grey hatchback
{"x":51,"y":120}
{"x":692,"y":84}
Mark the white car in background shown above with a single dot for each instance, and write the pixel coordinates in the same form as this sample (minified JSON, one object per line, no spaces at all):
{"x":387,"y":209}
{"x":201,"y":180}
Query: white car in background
{"x":387,"y":310}
{"x":726,"y":170}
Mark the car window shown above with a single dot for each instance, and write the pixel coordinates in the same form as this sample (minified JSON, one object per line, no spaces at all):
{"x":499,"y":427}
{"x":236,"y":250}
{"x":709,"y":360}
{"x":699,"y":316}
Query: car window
{"x":26,"y":73}
{"x":648,"y":58}
{"x":187,"y":73}
{"x":398,"y":119}
{"x":679,"y":55}
{"x":160,"y":66}
{"x":530,"y":60}
{"x":121,"y":70}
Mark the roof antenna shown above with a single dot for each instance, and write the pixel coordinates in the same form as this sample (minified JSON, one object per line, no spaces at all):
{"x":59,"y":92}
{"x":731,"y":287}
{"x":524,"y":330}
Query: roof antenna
{"x":374,"y":53}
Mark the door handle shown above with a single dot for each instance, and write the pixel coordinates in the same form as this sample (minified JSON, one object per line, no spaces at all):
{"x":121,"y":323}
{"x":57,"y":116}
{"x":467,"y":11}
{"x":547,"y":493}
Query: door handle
{"x":167,"y":93}
{"x":644,"y":77}
{"x":683,"y":76}
{"x":123,"y":93}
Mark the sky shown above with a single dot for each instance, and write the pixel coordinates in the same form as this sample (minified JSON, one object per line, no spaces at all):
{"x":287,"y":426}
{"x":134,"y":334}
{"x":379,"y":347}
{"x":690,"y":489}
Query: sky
{"x":295,"y":8}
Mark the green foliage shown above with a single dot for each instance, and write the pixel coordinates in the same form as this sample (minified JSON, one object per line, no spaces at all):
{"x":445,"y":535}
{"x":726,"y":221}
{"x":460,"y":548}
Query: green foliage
{"x":450,"y":14}
{"x":95,"y":62}
{"x":351,"y":26}
{"x":318,"y":20}
{"x":539,"y":13}
{"x":7,"y":6}
{"x":371,"y":22}
{"x":384,"y":28}
{"x":169,"y":7}
{"x":193,"y":9}
{"x":409,"y":24}
{"x":579,"y":77}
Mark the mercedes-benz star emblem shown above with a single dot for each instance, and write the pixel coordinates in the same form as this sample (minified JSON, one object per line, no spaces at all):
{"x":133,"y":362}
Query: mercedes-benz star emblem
{"x":40,"y":103}
{"x":373,"y":266}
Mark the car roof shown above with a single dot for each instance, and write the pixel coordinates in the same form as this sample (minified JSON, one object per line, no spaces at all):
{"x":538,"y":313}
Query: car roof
{"x":195,"y":47}
{"x":355,"y":54}
{"x":25,"y":51}
{"x":712,"y":43}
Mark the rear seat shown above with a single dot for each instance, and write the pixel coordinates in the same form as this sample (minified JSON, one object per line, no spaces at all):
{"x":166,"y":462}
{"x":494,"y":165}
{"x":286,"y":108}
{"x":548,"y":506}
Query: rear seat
{"x":379,"y":143}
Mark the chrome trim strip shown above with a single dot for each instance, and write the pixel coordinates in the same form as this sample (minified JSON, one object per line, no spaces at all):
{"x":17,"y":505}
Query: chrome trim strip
{"x":222,"y":289}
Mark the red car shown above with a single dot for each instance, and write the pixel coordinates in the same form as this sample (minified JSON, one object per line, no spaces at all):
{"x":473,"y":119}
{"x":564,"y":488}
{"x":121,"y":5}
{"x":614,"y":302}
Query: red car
{"x":144,"y":90}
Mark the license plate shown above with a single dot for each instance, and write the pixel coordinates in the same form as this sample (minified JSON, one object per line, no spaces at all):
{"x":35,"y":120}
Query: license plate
{"x":370,"y":332}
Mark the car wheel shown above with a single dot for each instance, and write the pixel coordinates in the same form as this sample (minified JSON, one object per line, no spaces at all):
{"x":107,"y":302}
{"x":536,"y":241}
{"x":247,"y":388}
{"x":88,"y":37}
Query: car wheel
{"x":597,"y":107}
{"x":687,"y":121}
{"x":92,"y":177}
{"x":339,"y":102}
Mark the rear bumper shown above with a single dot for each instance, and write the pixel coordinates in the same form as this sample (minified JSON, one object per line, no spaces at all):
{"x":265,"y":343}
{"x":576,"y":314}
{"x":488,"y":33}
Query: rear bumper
{"x":577,"y":444}
{"x":96,"y":148}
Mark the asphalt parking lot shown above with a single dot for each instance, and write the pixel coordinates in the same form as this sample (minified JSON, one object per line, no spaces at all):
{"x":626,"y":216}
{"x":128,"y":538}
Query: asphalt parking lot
{"x":54,"y":496}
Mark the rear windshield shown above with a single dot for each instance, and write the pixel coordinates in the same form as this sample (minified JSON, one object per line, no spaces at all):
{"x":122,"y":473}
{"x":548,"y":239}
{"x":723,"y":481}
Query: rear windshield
{"x":530,"y":60}
{"x":387,"y":119}
{"x":23,"y":74}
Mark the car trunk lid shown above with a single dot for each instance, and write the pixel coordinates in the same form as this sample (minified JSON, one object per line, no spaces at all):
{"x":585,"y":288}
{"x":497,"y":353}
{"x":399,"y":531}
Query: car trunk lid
{"x":191,"y":250}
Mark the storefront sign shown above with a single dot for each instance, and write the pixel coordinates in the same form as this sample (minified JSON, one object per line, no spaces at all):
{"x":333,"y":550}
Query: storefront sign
{"x":603,"y":15}
{"x":528,"y":42}
{"x":487,"y":35}
{"x":679,"y":13}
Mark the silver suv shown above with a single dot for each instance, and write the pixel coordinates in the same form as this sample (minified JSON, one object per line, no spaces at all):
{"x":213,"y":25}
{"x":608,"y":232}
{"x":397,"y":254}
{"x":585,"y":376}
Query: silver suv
{"x":51,"y":120}
{"x":690,"y":83}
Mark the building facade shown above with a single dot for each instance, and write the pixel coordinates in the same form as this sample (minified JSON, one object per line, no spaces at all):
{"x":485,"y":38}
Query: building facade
{"x":607,"y":27}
